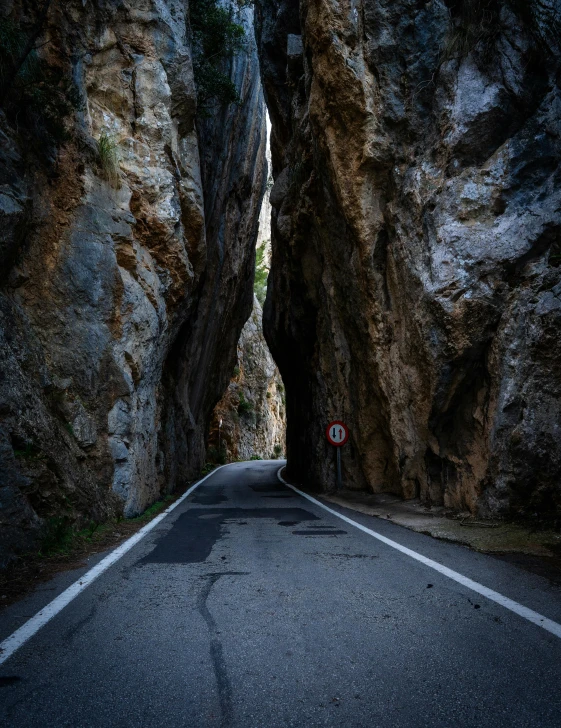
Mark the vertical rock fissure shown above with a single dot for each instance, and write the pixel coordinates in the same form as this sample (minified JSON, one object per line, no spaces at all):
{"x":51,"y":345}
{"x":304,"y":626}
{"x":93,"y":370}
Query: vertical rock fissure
{"x":249,"y":422}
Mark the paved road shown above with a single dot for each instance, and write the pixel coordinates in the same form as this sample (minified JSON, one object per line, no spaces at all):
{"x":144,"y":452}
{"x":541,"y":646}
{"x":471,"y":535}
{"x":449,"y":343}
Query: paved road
{"x":252,"y":607}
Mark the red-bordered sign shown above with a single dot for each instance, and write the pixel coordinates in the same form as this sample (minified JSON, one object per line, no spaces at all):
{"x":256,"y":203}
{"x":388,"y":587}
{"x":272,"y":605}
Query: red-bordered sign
{"x":337,"y":433}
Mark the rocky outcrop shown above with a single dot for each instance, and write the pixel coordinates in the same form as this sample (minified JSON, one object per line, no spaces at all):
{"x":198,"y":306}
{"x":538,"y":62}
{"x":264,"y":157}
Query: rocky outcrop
{"x":127,"y":254}
{"x":252,"y":411}
{"x":415,"y":285}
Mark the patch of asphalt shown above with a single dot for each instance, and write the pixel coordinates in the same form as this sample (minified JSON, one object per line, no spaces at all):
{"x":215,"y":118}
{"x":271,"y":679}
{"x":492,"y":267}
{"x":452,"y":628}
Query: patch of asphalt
{"x":32,"y":572}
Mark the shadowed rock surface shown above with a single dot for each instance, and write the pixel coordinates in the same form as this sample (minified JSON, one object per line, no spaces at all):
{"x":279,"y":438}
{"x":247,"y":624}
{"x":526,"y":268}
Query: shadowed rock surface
{"x":126,"y":271}
{"x":415,"y":289}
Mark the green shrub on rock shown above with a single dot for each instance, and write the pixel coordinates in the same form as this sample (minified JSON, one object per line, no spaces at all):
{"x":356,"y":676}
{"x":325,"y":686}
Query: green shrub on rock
{"x":244,"y":406}
{"x":108,"y":154}
{"x":216,"y":38}
{"x":261,"y":274}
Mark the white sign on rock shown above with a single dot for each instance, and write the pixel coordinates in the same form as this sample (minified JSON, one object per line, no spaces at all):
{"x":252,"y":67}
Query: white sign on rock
{"x":337,"y":433}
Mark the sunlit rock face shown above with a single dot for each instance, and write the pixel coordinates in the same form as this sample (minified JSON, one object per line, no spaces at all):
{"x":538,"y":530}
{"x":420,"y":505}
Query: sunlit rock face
{"x":251,"y":416}
{"x":124,"y":292}
{"x":416,"y":283}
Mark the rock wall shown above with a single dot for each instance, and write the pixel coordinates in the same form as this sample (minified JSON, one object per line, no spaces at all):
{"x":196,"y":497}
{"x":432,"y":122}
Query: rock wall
{"x":252,"y":410}
{"x":127,"y":256}
{"x":415,"y":289}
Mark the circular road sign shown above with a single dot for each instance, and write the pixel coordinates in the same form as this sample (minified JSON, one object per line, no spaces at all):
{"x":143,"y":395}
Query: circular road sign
{"x":337,"y":433}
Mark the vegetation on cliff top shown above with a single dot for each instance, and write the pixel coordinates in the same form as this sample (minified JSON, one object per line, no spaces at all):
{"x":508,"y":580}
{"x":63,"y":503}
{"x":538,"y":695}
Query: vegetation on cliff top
{"x":477,"y":25}
{"x":216,"y":38}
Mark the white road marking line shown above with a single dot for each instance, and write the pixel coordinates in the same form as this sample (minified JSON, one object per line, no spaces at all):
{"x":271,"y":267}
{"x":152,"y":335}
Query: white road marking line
{"x":33,"y":625}
{"x":522,"y":611}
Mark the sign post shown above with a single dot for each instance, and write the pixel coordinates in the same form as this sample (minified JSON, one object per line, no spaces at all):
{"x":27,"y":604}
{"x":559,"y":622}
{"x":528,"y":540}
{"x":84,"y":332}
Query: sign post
{"x":337,"y":435}
{"x":339,"y":476}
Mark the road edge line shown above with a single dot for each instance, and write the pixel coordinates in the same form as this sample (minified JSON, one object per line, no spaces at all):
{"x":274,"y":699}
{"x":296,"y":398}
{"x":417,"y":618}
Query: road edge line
{"x":30,"y":628}
{"x":525,"y":612}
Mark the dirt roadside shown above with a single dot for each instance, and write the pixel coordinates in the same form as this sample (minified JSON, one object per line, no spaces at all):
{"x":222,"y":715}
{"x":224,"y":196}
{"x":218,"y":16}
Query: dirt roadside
{"x":537,"y":551}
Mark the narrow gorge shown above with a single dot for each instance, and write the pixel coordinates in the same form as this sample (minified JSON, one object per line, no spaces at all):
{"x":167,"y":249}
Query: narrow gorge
{"x":415,"y":251}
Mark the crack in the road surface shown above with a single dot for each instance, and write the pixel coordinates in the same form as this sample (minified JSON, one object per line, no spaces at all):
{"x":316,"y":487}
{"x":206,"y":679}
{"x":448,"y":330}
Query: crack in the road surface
{"x":216,"y":652}
{"x":71,"y":633}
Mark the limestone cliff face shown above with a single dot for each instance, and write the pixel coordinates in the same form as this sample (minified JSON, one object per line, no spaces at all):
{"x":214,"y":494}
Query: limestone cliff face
{"x":252,"y":410}
{"x":415,"y":290}
{"x":127,"y":257}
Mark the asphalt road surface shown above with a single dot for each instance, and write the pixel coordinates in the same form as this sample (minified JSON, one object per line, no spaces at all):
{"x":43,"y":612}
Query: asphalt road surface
{"x":249,"y":606}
